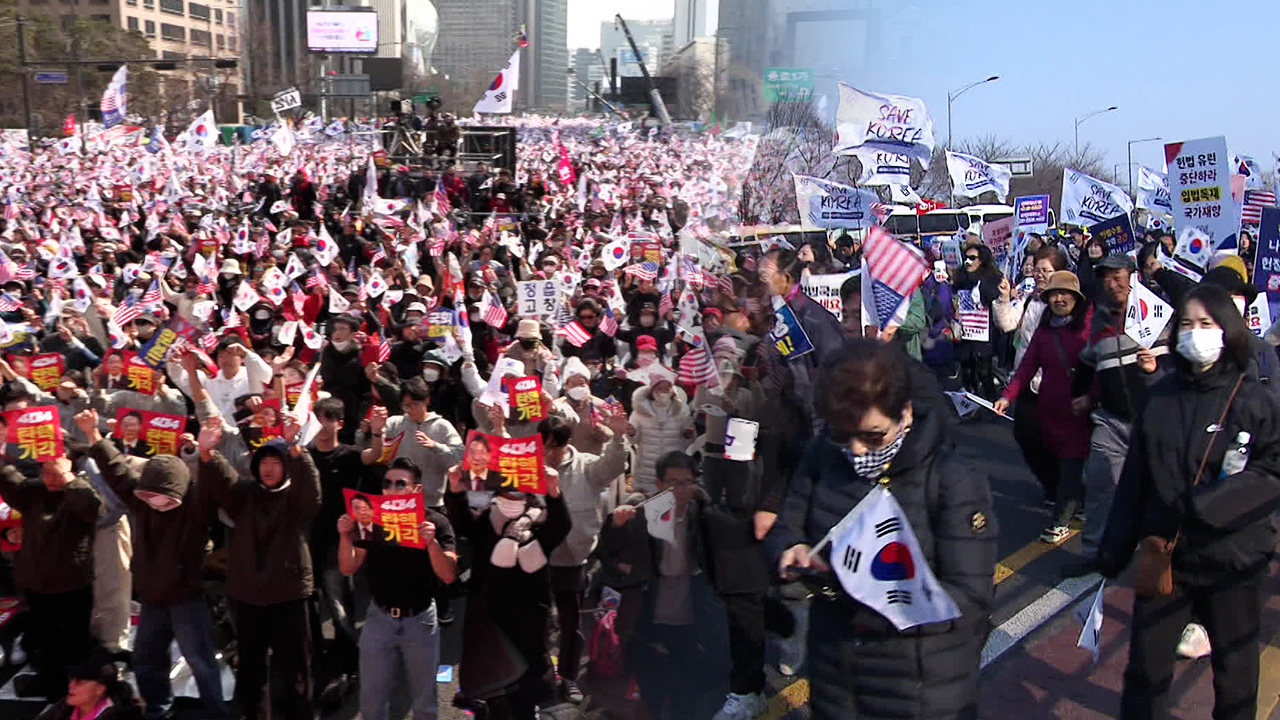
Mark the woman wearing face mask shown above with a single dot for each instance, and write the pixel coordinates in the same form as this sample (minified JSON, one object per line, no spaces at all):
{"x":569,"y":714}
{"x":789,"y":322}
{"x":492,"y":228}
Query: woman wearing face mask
{"x":648,"y":326}
{"x":880,"y":433}
{"x":581,"y":408}
{"x":1186,"y":484}
{"x":661,"y":422}
{"x":977,"y":286}
{"x":1054,"y":351}
{"x":508,"y":605}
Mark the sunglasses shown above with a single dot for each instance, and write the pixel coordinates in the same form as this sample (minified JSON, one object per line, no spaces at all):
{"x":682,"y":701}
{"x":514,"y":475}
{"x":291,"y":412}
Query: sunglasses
{"x":395,"y":484}
{"x":971,"y":258}
{"x":587,"y":316}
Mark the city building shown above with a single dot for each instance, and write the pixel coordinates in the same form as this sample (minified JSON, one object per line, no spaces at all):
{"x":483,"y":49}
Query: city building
{"x":694,"y":19}
{"x":176,"y":30}
{"x":588,"y":70}
{"x":653,"y":38}
{"x":476,"y":38}
{"x":694,"y":68}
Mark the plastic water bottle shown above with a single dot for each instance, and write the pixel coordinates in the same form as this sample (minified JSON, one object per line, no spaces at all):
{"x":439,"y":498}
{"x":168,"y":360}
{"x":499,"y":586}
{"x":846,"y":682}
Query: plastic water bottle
{"x":1237,"y":456}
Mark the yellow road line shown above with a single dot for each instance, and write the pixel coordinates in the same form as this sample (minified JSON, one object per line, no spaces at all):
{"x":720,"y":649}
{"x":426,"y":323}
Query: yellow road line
{"x":788,"y":698}
{"x":1009,"y":566}
{"x":1269,"y":678}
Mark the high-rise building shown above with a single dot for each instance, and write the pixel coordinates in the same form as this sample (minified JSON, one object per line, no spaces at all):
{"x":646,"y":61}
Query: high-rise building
{"x":175,"y":30}
{"x":476,"y":39}
{"x":694,"y":19}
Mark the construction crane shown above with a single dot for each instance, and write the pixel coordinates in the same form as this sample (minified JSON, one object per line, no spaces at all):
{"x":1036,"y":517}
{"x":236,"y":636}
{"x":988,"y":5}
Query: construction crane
{"x":655,"y":98}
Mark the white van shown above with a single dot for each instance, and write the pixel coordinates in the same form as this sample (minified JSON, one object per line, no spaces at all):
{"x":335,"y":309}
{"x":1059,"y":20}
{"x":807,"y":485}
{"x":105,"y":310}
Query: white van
{"x":904,"y":221}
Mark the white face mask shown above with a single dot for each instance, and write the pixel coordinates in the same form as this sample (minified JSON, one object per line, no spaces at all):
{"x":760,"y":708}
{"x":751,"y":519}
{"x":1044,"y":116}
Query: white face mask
{"x":508,"y":508}
{"x":578,"y":393}
{"x":662,"y":399}
{"x":343,"y":345}
{"x":431,"y":375}
{"x":1201,"y":346}
{"x":645,"y":359}
{"x":157,"y":501}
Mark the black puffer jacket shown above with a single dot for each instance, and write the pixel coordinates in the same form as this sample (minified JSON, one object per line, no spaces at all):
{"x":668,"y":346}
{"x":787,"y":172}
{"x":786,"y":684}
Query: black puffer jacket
{"x":862,"y":666}
{"x":169,"y":547}
{"x":1226,"y":524}
{"x":268,"y":559}
{"x":57,"y":539}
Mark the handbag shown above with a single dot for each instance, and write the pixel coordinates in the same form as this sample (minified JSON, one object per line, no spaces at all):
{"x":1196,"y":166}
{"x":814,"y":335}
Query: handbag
{"x":1153,"y":562}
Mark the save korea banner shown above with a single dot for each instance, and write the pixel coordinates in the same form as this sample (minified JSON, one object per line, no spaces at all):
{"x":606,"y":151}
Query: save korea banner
{"x":146,"y":433}
{"x":1200,"y":191}
{"x":1087,"y":200}
{"x":386,"y":519}
{"x":895,"y":123}
{"x":971,"y":176}
{"x":525,"y":396}
{"x":512,"y":464}
{"x":882,"y":167}
{"x":35,"y":433}
{"x":1153,"y":191}
{"x":45,"y":370}
{"x":824,"y":204}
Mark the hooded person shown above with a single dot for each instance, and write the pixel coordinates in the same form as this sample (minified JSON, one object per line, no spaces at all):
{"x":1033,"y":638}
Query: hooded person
{"x":660,"y":423}
{"x":269,"y":571}
{"x":579,"y":407}
{"x":504,"y":662}
{"x":170,"y":510}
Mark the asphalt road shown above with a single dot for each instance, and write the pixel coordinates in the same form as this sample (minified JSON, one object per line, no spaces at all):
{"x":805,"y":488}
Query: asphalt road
{"x":1031,"y":667}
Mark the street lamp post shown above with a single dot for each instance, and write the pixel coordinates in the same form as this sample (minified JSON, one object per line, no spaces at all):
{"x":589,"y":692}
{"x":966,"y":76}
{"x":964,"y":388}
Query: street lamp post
{"x":951,"y":96}
{"x":1086,"y":117}
{"x":1130,"y":144}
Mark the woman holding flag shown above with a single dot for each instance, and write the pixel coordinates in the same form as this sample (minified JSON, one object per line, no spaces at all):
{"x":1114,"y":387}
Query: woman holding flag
{"x":874,"y":651}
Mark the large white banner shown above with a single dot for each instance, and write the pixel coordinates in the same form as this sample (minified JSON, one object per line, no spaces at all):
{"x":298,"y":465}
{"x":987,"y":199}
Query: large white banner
{"x":1200,"y":190}
{"x":896,"y":123}
{"x":971,"y":176}
{"x":1088,"y":200}
{"x":823,"y":204}
{"x":1153,"y":190}
{"x":883,"y":167}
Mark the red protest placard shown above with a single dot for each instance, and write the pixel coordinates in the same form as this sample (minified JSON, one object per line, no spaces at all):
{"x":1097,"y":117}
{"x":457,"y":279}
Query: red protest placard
{"x":144,"y":433}
{"x":386,"y":519}
{"x":45,"y":370}
{"x":525,"y":395}
{"x":21,"y":364}
{"x":139,"y":376}
{"x":514,"y":464}
{"x":10,"y":528}
{"x":265,"y":425}
{"x":34,"y":432}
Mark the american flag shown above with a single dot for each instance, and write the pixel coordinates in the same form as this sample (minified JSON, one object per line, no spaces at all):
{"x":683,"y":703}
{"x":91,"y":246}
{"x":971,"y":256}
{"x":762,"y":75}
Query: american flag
{"x":896,"y":271}
{"x":209,"y":341}
{"x":316,"y":280}
{"x":574,"y":333}
{"x":665,"y":306}
{"x":696,"y":368}
{"x":126,"y":312}
{"x":647,"y":270}
{"x":441,"y":198}
{"x":377,"y":255}
{"x":608,"y":323}
{"x":880,"y":211}
{"x":9,"y":303}
{"x":384,"y":348}
{"x":1254,"y":201}
{"x":25,"y":272}
{"x":975,"y":320}
{"x":152,"y":295}
{"x":495,"y":313}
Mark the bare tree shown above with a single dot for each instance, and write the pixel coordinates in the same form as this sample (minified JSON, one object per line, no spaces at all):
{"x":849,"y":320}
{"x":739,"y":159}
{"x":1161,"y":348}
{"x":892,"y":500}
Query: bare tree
{"x":1047,"y":160}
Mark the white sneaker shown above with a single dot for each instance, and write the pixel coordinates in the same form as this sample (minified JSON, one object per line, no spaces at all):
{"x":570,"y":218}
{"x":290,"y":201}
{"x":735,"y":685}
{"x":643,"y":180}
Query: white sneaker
{"x":741,"y":707}
{"x":1195,"y":642}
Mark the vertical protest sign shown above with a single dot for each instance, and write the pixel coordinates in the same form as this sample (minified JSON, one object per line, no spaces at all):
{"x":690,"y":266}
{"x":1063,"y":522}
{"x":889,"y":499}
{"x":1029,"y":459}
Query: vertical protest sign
{"x":537,"y":298}
{"x":439,"y":324}
{"x":525,"y":397}
{"x":266,"y":424}
{"x":1030,"y":216}
{"x":1200,"y":190}
{"x":1266,"y":262}
{"x":997,"y":235}
{"x":1115,"y":234}
{"x":152,"y":433}
{"x":788,"y":335}
{"x":511,"y":464}
{"x":35,"y":433}
{"x":139,"y":376}
{"x":45,"y":370}
{"x":386,"y":519}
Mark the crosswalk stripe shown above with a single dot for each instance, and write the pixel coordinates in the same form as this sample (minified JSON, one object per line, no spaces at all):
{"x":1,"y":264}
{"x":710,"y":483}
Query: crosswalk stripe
{"x":1030,"y":618}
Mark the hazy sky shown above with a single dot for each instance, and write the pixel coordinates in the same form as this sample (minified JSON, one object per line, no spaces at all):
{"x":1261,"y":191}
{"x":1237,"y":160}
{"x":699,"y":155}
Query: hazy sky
{"x":585,"y":17}
{"x":1176,"y":68}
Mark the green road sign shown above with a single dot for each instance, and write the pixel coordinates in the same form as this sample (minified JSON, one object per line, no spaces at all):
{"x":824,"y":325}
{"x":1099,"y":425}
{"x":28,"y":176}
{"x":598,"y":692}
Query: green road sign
{"x":787,"y":84}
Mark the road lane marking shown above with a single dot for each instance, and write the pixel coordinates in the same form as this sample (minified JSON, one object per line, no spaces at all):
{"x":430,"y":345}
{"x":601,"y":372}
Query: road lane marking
{"x":1269,"y":678}
{"x":1010,"y":566}
{"x":1030,"y":618}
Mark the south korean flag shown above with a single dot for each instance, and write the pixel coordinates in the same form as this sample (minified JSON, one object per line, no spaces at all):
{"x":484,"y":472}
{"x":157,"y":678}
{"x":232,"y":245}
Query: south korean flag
{"x":878,"y":560}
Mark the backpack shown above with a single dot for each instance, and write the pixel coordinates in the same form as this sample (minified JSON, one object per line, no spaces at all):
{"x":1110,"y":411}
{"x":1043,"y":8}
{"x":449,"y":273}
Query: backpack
{"x":604,"y":649}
